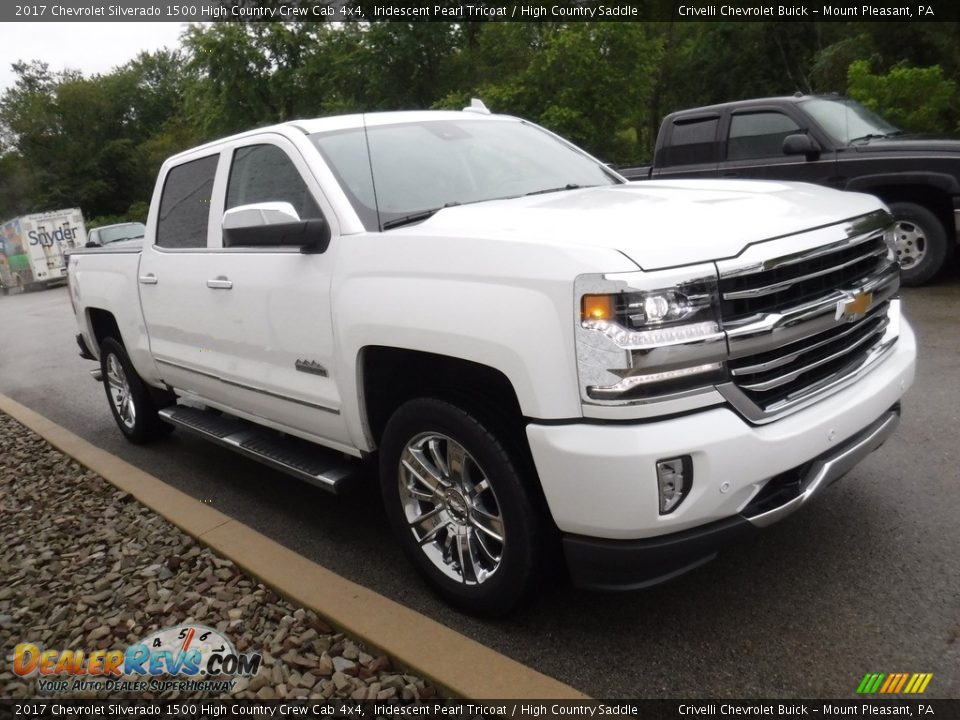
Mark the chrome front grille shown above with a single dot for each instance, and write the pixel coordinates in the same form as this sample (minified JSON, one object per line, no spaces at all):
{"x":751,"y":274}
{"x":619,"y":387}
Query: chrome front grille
{"x":777,"y":375}
{"x":805,"y":315}
{"x":802,"y":279}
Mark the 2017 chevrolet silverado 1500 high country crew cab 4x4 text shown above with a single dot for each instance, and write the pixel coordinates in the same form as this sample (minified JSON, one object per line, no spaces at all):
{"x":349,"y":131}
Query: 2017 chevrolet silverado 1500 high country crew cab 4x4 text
{"x":538,"y":354}
{"x":832,"y":141}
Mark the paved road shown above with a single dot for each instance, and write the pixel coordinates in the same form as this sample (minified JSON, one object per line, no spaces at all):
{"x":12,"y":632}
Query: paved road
{"x":865,"y":579}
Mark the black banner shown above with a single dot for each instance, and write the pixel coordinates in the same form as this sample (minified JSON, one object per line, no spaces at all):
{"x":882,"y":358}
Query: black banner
{"x":463,"y":709}
{"x":476,"y":11}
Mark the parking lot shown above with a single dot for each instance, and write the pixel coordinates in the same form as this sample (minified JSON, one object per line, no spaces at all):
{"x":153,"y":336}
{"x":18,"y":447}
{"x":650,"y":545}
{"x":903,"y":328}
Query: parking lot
{"x":863,"y":580}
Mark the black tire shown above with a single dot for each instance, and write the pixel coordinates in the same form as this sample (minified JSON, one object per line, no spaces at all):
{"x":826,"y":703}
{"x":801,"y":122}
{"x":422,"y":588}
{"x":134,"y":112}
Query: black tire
{"x":496,"y":577}
{"x":922,"y":243}
{"x":142,"y":424}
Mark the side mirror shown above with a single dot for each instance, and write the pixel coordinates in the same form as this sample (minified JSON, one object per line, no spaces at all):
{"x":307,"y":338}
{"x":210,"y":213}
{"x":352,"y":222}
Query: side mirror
{"x":91,"y":243}
{"x":273,"y":224}
{"x":801,"y":144}
{"x":259,"y":215}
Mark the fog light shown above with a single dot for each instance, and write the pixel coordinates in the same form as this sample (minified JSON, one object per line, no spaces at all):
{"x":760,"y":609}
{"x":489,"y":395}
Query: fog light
{"x":674,"y":479}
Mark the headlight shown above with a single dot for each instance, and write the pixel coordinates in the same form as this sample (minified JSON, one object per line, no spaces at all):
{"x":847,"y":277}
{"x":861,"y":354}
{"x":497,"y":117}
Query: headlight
{"x":644,"y":310}
{"x":648,"y":334}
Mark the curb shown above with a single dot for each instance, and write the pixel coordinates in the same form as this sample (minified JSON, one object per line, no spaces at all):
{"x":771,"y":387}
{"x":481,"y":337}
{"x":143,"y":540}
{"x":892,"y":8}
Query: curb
{"x":453,"y":662}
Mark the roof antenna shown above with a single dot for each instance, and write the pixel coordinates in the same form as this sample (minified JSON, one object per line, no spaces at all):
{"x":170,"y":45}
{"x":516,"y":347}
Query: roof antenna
{"x":476,"y":106}
{"x":373,"y":182}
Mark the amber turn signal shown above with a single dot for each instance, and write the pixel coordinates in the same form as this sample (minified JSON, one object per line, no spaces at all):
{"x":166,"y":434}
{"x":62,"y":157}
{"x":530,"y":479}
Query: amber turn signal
{"x":597,"y":307}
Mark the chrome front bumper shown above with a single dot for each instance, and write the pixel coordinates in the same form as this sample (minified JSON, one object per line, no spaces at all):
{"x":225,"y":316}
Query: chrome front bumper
{"x":603,"y":564}
{"x":827,"y":469}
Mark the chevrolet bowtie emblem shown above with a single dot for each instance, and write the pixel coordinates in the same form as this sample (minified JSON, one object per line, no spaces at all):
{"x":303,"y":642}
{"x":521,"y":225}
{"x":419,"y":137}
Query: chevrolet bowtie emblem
{"x":854,"y":306}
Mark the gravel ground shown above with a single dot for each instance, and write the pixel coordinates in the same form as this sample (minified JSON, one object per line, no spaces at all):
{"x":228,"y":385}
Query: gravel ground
{"x":85,"y":566}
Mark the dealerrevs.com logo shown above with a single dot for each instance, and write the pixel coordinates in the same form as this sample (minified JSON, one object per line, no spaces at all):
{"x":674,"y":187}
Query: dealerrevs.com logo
{"x":186,"y":651}
{"x":894,"y":683}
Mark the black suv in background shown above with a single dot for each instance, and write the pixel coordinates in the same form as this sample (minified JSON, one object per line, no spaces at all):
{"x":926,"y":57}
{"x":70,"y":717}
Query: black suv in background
{"x":828,"y":140}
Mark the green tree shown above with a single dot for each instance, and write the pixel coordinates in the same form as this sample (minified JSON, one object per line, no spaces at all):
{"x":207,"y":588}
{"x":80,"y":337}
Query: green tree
{"x":402,"y":64}
{"x":918,"y":99}
{"x":99,"y":141}
{"x":587,"y":81}
{"x":229,"y":89}
{"x":85,"y":141}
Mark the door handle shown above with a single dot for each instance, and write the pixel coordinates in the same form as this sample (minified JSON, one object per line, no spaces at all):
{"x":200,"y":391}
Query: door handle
{"x":148,"y":279}
{"x":220,"y":283}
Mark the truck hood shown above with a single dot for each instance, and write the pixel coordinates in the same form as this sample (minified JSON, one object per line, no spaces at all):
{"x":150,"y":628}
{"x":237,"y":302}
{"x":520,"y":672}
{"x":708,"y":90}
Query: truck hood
{"x":657,"y":224}
{"x":910,"y":143}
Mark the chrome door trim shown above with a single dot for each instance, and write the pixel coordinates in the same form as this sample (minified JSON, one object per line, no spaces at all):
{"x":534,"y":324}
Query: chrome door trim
{"x":251,"y":388}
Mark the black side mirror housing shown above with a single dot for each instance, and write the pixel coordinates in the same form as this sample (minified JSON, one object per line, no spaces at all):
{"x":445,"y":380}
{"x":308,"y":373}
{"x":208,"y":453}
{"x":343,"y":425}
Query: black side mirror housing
{"x":311,"y":236}
{"x":316,"y":236}
{"x":801,"y":144}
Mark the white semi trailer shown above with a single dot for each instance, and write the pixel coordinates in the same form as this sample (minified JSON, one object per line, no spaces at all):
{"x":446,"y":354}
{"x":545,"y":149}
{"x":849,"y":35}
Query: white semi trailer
{"x":33,"y":247}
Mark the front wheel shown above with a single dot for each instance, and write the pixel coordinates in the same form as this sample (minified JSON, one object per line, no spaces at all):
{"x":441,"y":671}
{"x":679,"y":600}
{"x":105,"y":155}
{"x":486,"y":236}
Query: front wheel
{"x":459,"y":507}
{"x":920,"y":241}
{"x":130,"y":401}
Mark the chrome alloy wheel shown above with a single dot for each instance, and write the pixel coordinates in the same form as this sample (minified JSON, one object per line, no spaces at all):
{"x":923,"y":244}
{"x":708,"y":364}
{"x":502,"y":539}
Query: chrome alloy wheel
{"x":910,"y":243}
{"x":120,"y":392}
{"x":451,"y":508}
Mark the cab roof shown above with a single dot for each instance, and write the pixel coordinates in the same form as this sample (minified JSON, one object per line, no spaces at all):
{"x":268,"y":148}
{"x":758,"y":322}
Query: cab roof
{"x":755,"y":102}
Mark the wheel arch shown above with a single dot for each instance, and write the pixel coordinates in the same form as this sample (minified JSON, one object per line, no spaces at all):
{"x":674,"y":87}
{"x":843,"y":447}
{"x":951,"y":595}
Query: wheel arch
{"x":390,"y":376}
{"x":934,"y":191}
{"x":102,"y":324}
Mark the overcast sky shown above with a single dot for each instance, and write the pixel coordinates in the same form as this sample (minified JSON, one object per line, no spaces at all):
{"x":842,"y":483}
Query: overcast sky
{"x":87,"y":46}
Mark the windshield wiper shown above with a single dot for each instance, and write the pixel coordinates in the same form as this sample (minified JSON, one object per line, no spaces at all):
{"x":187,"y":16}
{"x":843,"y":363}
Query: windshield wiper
{"x":568,"y":186}
{"x":874,"y":136}
{"x":415,"y":217}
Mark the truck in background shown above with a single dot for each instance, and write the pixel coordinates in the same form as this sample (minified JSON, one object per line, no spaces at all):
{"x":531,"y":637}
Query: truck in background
{"x":829,"y":140}
{"x":33,"y":247}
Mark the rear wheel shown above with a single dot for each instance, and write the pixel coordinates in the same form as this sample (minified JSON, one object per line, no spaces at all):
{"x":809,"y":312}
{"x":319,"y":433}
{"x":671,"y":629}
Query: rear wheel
{"x":459,"y":507}
{"x":131,"y":403}
{"x":920,"y":241}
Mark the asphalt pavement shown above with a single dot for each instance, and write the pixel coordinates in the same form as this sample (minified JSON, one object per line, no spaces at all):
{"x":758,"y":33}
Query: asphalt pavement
{"x":865,"y":579}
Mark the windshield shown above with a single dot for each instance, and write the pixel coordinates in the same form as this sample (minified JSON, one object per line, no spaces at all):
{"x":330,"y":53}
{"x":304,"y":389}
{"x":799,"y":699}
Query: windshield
{"x":846,"y":120}
{"x":115,"y":233}
{"x":415,"y":168}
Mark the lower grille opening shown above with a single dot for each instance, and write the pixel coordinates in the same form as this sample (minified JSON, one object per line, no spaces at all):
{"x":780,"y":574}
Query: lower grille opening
{"x":779,"y":490}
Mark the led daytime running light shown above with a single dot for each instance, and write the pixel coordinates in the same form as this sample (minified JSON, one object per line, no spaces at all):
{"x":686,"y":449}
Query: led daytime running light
{"x":634,"y":340}
{"x":633,"y":381}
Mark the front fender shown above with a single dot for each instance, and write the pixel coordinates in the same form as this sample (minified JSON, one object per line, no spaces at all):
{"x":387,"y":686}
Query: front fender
{"x":941,"y":181}
{"x":504,"y":305}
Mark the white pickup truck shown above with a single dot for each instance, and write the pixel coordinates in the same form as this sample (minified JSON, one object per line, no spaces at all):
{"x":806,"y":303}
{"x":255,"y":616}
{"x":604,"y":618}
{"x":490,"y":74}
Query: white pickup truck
{"x":545,"y":360}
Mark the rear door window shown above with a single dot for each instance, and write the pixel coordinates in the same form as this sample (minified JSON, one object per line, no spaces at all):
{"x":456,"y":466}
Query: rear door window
{"x":185,"y":204}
